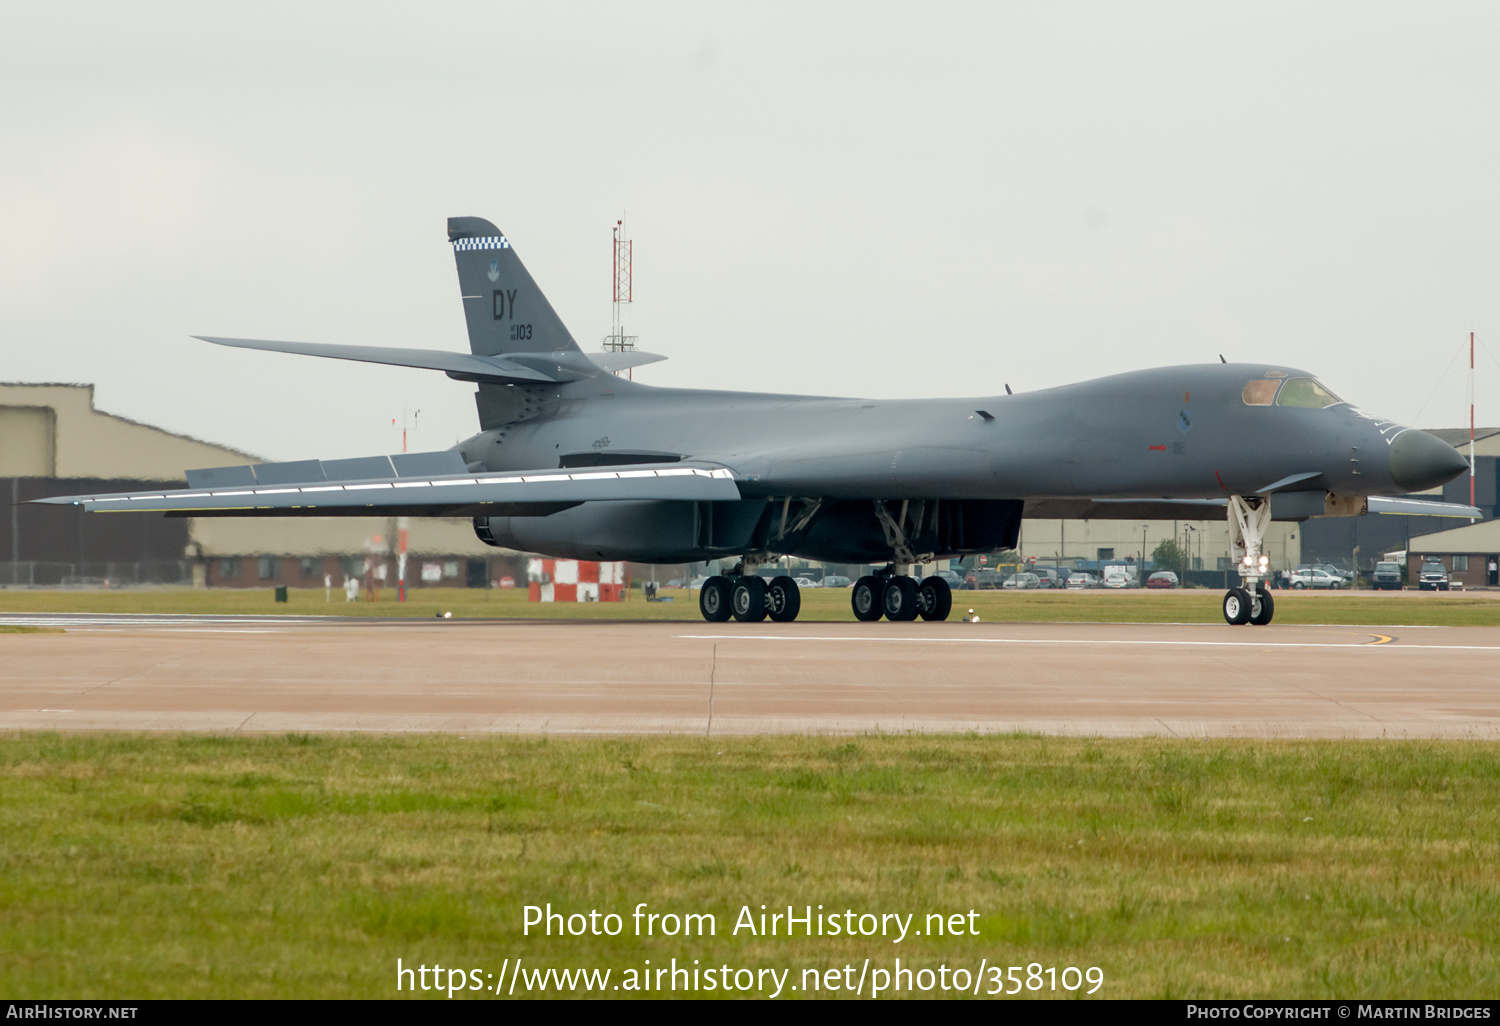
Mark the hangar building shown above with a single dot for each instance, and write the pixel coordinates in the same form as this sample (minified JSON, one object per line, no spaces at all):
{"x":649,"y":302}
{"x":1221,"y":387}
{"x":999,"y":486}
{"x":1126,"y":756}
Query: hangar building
{"x":54,"y":442}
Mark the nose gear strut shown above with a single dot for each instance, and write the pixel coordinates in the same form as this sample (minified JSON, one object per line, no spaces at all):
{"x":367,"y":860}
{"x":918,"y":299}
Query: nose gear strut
{"x":1249,"y":519}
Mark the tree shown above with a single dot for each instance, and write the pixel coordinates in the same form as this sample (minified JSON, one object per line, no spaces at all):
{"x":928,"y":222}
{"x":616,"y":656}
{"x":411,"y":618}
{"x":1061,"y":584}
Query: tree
{"x":1170,"y":556}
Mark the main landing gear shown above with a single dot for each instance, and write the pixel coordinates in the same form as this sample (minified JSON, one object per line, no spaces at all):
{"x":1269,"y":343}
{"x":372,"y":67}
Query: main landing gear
{"x":890,"y":593}
{"x":1250,"y":603}
{"x":897,"y":597}
{"x":749,"y":598}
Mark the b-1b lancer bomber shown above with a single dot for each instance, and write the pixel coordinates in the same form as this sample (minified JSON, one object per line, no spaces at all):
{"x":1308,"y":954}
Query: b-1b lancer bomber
{"x":573,"y":461}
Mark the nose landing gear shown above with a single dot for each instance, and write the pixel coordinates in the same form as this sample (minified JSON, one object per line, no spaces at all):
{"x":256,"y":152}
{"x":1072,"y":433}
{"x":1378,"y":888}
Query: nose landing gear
{"x":1251,"y":603}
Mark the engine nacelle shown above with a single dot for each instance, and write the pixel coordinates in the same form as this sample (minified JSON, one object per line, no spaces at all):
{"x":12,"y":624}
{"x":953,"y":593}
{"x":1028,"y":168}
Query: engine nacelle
{"x":690,"y":532}
{"x":639,"y":531}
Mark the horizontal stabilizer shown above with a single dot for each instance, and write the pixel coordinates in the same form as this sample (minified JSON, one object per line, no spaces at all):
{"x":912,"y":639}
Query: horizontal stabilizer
{"x":613,"y":361}
{"x":524,"y":493}
{"x":513,"y":369}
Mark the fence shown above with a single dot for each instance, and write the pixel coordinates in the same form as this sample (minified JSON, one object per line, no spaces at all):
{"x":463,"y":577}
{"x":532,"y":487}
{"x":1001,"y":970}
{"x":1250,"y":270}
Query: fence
{"x":37,"y":574}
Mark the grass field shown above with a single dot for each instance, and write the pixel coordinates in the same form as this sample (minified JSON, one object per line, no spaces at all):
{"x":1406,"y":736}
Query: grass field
{"x":204,"y":866}
{"x":1186,"y":606}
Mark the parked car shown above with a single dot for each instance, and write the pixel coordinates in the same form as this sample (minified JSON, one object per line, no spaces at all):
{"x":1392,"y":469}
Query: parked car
{"x":1434,"y":577}
{"x":806,"y":582}
{"x":1116,"y":577}
{"x":1347,"y":575}
{"x":1388,"y":577}
{"x":1162,"y":579}
{"x":1315,"y":577}
{"x":982,"y":578}
{"x":1079,"y":579}
{"x":955,"y":580}
{"x":1022,"y":580}
{"x":1047,"y":576}
{"x":836,"y":581}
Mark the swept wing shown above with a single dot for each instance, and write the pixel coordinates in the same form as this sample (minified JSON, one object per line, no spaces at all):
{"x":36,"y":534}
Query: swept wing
{"x":417,"y":484}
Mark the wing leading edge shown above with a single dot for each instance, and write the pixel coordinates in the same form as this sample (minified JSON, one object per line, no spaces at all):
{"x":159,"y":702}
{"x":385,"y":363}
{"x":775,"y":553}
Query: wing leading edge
{"x":525,"y":493}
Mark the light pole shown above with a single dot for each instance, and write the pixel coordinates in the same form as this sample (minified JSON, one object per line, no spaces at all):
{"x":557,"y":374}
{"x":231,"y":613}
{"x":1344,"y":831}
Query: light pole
{"x":1140,"y":574}
{"x":1187,"y":546}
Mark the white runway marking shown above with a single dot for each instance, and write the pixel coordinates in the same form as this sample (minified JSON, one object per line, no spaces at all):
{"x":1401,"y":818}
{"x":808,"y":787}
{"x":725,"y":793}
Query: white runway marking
{"x":163,"y":622}
{"x":1388,"y":647}
{"x":220,"y":630}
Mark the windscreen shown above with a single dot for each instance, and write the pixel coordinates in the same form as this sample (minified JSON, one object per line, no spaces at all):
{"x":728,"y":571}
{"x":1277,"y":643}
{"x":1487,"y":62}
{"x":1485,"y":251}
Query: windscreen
{"x":1259,"y":393}
{"x":1306,"y":393}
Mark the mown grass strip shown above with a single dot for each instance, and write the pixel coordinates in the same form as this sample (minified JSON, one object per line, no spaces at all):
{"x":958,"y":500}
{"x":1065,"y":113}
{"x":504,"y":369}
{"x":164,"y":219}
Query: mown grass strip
{"x":1187,"y":606}
{"x":305,"y":865}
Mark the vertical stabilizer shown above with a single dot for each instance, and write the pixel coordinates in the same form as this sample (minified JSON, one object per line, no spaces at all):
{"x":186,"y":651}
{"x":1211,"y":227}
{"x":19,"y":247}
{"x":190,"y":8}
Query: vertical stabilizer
{"x":505,"y":310}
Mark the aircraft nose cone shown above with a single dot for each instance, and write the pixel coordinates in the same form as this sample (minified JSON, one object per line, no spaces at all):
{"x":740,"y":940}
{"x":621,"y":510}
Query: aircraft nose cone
{"x":1420,"y":461}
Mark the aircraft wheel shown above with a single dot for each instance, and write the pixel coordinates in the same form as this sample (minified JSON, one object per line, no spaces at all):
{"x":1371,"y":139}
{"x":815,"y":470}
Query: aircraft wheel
{"x":899,"y":600}
{"x":1236,"y":606}
{"x":747,"y":599}
{"x":1262,"y":608}
{"x":783,"y":599}
{"x":934,"y":599}
{"x":865,"y":598}
{"x":713,"y":599}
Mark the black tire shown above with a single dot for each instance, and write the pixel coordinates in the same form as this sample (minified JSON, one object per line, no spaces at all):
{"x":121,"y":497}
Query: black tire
{"x":1263,"y":607}
{"x":934,"y":599}
{"x":899,"y":599}
{"x":1236,"y":606}
{"x":1299,"y":586}
{"x":865,"y":598}
{"x":713,"y":599}
{"x":747,"y":599}
{"x":783,"y":599}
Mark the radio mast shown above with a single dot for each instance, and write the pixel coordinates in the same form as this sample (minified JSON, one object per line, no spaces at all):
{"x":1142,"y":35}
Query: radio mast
{"x":1471,"y":419}
{"x":617,"y":341}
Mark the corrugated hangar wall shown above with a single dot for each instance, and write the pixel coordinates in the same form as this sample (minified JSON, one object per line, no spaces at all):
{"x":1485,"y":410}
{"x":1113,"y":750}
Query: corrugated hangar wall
{"x":54,"y":442}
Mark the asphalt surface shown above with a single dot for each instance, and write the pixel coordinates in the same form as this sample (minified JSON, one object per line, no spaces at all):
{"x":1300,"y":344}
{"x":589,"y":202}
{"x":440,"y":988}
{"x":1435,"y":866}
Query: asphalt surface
{"x":275,"y":674}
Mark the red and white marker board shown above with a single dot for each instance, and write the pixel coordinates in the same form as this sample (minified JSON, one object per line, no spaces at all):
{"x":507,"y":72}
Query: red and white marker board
{"x":575,"y":580}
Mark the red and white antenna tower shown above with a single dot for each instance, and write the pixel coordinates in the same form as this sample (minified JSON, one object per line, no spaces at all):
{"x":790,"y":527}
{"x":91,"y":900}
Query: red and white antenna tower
{"x":1471,"y":418}
{"x":617,"y":341}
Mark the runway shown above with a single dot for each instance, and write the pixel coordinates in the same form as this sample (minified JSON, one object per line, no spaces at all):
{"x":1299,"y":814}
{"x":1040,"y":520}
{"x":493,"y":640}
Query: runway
{"x":279,"y":674}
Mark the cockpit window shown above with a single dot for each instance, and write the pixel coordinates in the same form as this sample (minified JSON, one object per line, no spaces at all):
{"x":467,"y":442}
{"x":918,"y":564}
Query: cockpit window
{"x":1259,"y":393}
{"x":1307,"y":393}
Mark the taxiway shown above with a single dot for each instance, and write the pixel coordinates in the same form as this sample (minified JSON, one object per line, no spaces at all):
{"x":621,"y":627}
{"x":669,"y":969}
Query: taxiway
{"x":276,"y":674}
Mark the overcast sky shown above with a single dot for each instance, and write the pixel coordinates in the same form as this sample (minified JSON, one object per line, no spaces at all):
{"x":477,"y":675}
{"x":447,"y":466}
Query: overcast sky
{"x":863,"y":199}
